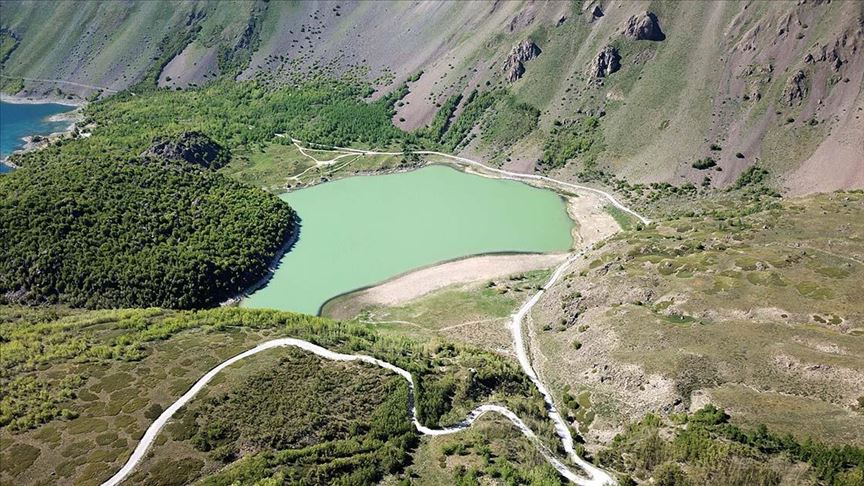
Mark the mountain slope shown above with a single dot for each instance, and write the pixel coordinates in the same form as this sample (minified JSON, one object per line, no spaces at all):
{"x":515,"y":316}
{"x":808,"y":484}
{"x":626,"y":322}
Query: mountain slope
{"x":773,"y":83}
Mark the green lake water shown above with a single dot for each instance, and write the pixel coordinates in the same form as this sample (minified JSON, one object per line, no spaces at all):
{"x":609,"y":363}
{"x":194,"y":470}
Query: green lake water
{"x":361,"y":231}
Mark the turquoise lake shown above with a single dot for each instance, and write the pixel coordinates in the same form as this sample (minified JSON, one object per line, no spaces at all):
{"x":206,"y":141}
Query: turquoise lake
{"x":361,"y":231}
{"x":19,"y":120}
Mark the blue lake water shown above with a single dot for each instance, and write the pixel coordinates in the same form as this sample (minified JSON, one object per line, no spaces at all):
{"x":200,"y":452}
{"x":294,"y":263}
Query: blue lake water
{"x":19,"y":120}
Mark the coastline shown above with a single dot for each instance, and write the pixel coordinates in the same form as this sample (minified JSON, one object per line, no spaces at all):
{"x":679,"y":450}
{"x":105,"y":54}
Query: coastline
{"x":73,"y":116}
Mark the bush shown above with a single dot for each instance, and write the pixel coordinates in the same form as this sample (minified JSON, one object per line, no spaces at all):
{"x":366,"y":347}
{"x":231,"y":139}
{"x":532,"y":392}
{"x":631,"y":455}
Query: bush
{"x":753,"y":175}
{"x":571,"y":140}
{"x":670,"y":474}
{"x":703,"y":164}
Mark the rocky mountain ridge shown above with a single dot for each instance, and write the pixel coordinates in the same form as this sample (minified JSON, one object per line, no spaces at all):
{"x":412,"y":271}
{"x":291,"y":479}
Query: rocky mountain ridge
{"x":778,"y":83}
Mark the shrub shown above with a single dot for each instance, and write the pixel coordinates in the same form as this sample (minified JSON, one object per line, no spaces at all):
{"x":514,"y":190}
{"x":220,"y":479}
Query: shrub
{"x":703,"y":164}
{"x":752,"y":176}
{"x":670,"y":474}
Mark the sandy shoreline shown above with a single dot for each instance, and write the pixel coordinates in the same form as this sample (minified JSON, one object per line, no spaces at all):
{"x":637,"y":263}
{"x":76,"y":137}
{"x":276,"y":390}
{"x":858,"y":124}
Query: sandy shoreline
{"x":592,"y":224}
{"x":417,"y":283}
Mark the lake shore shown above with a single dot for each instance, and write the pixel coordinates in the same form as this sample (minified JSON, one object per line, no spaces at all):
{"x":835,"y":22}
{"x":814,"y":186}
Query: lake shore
{"x":275,"y":262}
{"x":36,"y":141}
{"x":421,"y":281}
{"x":342,"y":250}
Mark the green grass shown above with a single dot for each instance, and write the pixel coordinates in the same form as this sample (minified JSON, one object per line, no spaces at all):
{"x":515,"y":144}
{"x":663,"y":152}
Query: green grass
{"x":581,"y":139}
{"x":508,"y":121}
{"x":625,"y":220}
{"x":268,"y":167}
{"x":475,"y":313}
{"x":128,"y":365}
{"x":703,"y":447}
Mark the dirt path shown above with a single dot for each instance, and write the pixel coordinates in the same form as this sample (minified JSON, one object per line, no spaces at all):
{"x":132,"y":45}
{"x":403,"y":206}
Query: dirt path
{"x":590,"y":232}
{"x":504,"y":174}
{"x":593,"y":223}
{"x":598,"y":476}
{"x":154,"y":429}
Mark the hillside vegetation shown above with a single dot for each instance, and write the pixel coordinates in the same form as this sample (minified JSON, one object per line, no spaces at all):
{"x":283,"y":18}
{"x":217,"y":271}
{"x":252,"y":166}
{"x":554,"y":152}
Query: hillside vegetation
{"x":742,"y":299}
{"x":80,"y":387}
{"x":290,"y":417}
{"x":100,"y":232}
{"x":778,"y":83}
{"x":704,"y":448}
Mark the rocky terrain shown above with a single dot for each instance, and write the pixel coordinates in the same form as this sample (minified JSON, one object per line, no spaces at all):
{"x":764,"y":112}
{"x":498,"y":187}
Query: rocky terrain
{"x":760,"y":317}
{"x":773,"y":83}
{"x":191,"y":147}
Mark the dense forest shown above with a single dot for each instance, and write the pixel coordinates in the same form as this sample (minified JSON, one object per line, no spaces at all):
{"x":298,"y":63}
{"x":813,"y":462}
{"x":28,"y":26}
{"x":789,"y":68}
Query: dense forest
{"x":138,"y":232}
{"x":118,"y":219}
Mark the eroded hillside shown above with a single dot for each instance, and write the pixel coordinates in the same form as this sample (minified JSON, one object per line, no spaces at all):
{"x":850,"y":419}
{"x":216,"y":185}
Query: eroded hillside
{"x":651,"y":91}
{"x":753,"y":306}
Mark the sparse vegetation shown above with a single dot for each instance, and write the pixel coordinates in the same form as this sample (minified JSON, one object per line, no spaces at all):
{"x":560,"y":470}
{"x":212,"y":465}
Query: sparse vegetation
{"x":475,"y":107}
{"x":708,"y":449}
{"x":442,"y":120}
{"x":508,"y":121}
{"x":772,"y":271}
{"x":752,"y":176}
{"x":581,"y":138}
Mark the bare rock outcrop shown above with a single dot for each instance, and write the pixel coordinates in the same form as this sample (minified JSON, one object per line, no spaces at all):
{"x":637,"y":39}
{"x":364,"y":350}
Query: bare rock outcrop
{"x":607,"y":61}
{"x":796,"y":89}
{"x":644,"y":26}
{"x":190,"y":147}
{"x":521,"y":52}
{"x":838,"y":53}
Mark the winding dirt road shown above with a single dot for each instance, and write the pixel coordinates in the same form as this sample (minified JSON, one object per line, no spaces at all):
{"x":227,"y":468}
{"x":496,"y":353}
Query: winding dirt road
{"x":154,"y":429}
{"x":505,"y":174}
{"x":597,"y":476}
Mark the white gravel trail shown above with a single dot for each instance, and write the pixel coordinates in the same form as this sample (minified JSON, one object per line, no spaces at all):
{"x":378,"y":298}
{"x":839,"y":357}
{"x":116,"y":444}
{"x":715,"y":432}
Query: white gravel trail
{"x":598,"y":477}
{"x":154,"y":429}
